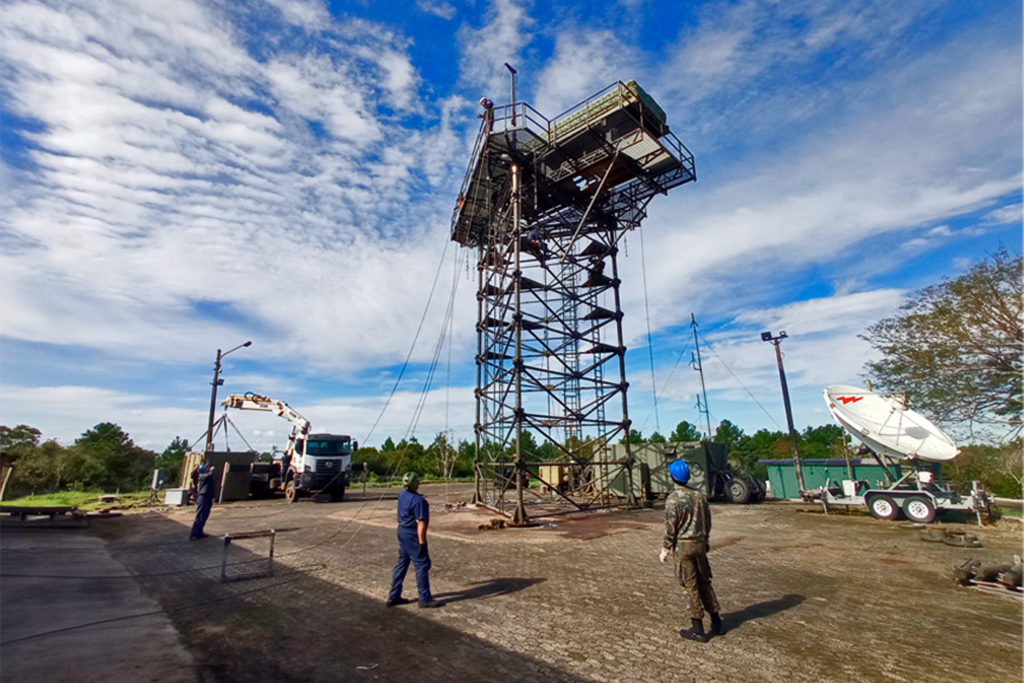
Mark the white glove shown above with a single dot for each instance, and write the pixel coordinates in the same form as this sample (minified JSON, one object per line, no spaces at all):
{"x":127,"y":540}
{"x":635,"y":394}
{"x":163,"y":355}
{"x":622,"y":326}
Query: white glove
{"x":664,"y":554}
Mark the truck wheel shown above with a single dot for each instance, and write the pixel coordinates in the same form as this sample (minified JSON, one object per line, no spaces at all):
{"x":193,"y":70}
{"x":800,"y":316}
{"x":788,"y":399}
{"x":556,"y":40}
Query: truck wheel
{"x":756,"y":490}
{"x":883,"y":507}
{"x":739,"y":490}
{"x":291,"y":494}
{"x":919,"y":509}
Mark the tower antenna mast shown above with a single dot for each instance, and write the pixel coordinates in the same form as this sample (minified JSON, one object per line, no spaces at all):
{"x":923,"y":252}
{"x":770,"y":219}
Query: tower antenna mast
{"x":700,"y":369}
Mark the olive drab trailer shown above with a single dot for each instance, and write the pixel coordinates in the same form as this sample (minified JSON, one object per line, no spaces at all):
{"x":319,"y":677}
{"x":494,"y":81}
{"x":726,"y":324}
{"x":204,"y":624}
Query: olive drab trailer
{"x":710,"y":471}
{"x":313,"y":463}
{"x":889,"y":428}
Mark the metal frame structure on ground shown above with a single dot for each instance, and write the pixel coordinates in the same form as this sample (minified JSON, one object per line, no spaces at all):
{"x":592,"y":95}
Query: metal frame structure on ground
{"x":546,"y":204}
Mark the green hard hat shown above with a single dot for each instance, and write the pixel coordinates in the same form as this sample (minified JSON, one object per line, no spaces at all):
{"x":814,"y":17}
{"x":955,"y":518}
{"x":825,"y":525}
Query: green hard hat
{"x":411,"y":480}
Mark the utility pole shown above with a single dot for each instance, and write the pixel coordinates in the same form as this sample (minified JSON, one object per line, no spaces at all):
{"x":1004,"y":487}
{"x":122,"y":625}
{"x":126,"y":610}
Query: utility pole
{"x":217,"y":381}
{"x":776,"y":340}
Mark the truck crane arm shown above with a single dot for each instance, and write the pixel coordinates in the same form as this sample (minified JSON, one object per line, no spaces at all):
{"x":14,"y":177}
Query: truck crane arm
{"x":251,"y":401}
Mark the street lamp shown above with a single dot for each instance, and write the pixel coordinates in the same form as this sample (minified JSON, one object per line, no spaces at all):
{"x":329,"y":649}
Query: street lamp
{"x":775,"y":340}
{"x":217,"y":381}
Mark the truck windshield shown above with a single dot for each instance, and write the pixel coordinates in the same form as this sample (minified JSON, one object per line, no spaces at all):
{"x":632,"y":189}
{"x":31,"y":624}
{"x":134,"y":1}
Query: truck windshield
{"x":337,"y":446}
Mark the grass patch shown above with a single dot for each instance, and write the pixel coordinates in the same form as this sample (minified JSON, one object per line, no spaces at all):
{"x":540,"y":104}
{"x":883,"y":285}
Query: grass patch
{"x":83,"y":500}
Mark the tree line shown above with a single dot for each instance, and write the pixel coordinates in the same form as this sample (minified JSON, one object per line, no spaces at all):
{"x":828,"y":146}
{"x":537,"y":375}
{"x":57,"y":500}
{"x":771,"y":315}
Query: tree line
{"x":956,"y":349}
{"x":105,"y":457}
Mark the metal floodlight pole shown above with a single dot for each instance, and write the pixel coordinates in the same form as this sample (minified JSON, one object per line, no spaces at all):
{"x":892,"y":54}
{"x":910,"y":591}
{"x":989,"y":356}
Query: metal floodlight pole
{"x":512,"y":73}
{"x":217,"y":381}
{"x":776,"y":340}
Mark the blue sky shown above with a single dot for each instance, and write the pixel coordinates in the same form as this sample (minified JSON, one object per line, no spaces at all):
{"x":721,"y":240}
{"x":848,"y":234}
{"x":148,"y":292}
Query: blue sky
{"x":182,"y":177}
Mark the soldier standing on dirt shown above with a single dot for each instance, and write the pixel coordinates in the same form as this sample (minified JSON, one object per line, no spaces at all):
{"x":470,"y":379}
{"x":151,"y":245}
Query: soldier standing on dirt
{"x":687,"y":526}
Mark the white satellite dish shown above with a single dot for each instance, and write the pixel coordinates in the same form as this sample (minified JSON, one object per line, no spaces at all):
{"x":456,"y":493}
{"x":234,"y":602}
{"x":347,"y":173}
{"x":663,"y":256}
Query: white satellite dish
{"x":885,"y":424}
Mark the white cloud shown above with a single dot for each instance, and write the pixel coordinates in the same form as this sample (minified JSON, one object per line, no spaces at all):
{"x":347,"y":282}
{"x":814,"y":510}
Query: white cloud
{"x":310,"y":14}
{"x":185,"y":184}
{"x":438,"y":8}
{"x":486,"y":49}
{"x":1011,"y":213}
{"x":146,"y":201}
{"x":583,"y":63}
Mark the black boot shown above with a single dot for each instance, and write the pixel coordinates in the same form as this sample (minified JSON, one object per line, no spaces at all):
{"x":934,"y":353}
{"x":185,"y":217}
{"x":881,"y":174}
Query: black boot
{"x":695,"y":632}
{"x":716,"y":624}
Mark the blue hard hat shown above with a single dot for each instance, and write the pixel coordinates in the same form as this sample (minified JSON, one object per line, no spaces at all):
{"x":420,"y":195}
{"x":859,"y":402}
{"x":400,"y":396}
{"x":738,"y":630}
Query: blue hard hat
{"x":679,"y":471}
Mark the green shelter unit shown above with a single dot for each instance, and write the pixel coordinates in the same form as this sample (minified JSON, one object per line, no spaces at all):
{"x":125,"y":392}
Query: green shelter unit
{"x":782,"y":474}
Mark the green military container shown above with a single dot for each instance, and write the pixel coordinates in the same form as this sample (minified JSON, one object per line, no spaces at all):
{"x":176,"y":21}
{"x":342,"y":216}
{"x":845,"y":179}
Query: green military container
{"x":710,"y":471}
{"x":782,"y":474}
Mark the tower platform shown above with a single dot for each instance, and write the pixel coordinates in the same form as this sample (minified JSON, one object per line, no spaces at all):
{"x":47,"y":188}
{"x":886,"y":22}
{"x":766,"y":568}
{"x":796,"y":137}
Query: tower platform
{"x":614,"y":149}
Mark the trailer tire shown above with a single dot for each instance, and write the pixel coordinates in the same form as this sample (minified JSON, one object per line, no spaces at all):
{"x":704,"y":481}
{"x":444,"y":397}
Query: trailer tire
{"x":739,"y":490}
{"x":883,"y":507}
{"x":919,"y":509}
{"x":291,"y":492}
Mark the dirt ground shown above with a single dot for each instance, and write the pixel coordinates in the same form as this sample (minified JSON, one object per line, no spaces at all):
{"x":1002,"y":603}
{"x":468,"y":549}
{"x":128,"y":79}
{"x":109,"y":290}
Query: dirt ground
{"x":805,"y":597}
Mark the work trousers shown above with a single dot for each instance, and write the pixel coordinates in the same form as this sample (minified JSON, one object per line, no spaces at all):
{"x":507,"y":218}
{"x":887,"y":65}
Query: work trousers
{"x":694,"y":574}
{"x":410,"y":550}
{"x":203,"y":505}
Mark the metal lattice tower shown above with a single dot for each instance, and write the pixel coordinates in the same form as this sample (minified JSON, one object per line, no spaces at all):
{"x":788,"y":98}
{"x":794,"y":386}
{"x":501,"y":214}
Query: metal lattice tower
{"x":545,"y":203}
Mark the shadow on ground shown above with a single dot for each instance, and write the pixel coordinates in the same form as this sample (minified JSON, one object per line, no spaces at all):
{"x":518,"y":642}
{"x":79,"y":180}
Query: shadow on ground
{"x":488,"y":589}
{"x":296,"y":626}
{"x":762,"y":609}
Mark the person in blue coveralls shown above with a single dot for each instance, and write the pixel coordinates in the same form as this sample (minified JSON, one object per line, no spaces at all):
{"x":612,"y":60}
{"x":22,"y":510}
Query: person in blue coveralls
{"x":204,"y":500}
{"x":413,"y":518}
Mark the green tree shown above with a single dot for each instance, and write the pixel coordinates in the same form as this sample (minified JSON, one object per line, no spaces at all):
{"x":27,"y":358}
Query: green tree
{"x":548,"y":451}
{"x":17,"y":442}
{"x":728,"y":433}
{"x":956,"y":347}
{"x":444,"y":455}
{"x":464,"y":462}
{"x":821,"y":442}
{"x":528,"y":445}
{"x":172,"y":458}
{"x":996,"y":468}
{"x":635,"y":437}
{"x":411,"y":455}
{"x":655,"y":437}
{"x":112,"y":458}
{"x":683,"y":432}
{"x":762,"y":445}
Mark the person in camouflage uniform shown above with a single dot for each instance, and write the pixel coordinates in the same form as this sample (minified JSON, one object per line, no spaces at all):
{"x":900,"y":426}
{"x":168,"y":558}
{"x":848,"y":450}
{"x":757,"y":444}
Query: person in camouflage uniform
{"x":687,"y":526}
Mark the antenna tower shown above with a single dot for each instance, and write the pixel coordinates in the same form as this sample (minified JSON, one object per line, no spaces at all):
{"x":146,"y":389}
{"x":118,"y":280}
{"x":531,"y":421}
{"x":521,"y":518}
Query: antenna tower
{"x":545,"y":203}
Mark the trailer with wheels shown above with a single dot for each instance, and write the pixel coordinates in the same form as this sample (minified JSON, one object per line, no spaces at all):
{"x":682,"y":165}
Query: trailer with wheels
{"x":888,"y":427}
{"x":916,"y":496}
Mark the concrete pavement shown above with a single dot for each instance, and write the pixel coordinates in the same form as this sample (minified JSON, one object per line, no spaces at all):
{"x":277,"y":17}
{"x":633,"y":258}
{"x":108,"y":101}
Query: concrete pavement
{"x":55,"y":626}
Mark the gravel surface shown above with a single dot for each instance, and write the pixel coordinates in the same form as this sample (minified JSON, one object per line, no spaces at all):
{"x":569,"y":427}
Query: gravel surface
{"x":805,"y":596}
